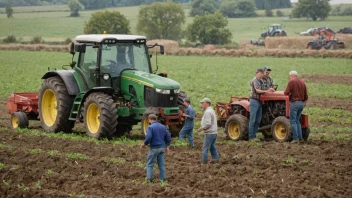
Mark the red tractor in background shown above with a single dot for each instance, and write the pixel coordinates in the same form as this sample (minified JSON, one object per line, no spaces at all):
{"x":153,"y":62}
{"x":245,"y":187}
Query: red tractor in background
{"x":234,"y":116}
{"x":325,"y":40}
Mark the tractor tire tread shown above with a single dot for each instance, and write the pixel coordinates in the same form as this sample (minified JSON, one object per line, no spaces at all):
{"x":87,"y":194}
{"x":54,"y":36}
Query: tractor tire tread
{"x":284,"y":120}
{"x":108,"y":114}
{"x":65,"y":102}
{"x":242,"y":121}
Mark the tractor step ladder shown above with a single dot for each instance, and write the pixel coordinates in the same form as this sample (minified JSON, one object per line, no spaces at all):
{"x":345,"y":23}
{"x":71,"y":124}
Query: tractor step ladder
{"x":76,"y":107}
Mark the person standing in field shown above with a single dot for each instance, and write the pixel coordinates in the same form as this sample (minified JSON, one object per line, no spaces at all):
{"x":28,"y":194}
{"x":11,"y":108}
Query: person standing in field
{"x":189,"y":123}
{"x":267,"y":80}
{"x":159,"y":139}
{"x":255,"y":106}
{"x":297,"y":90}
{"x":209,"y":126}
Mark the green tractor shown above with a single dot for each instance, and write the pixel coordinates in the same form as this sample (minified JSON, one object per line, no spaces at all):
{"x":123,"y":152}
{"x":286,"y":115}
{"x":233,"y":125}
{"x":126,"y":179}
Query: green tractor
{"x":109,"y":86}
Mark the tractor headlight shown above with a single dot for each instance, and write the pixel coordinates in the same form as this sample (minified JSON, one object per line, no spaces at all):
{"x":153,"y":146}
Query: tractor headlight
{"x":106,"y":76}
{"x":162,"y":91}
{"x":177,"y":91}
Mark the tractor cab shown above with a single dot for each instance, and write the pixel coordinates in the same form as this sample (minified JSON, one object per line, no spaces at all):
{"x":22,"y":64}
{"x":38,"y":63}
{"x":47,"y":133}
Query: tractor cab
{"x":274,"y":27}
{"x":102,"y":58}
{"x":274,"y":30}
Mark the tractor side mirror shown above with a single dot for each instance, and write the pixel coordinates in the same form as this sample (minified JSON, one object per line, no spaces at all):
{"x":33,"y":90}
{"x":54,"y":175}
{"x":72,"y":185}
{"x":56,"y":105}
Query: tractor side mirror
{"x":71,"y":48}
{"x":81,"y":48}
{"x":162,"y":50}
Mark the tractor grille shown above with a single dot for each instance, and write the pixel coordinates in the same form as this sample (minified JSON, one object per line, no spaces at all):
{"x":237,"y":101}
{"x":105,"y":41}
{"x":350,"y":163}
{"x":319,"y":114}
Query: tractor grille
{"x":155,"y":99}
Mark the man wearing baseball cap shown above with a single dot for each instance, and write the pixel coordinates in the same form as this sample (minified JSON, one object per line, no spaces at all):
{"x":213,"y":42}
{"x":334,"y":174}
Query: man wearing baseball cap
{"x":209,"y":126}
{"x":255,"y":106}
{"x":267,"y":80}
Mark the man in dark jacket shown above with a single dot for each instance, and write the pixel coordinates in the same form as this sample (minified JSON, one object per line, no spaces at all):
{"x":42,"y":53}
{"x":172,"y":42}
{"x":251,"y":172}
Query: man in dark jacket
{"x":159,"y":139}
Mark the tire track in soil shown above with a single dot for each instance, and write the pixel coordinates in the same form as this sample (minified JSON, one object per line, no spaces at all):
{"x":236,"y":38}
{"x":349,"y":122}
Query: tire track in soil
{"x":328,"y":172}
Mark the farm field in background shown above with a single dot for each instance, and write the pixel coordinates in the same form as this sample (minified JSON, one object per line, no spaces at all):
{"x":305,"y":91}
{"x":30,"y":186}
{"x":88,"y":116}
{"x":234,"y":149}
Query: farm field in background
{"x":57,"y":26}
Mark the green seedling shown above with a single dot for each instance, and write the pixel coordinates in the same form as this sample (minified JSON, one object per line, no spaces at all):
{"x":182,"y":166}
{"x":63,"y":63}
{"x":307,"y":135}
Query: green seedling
{"x":2,"y":166}
{"x":52,"y":152}
{"x":118,"y":160}
{"x":37,"y":185}
{"x":49,"y":172}
{"x":289,"y":160}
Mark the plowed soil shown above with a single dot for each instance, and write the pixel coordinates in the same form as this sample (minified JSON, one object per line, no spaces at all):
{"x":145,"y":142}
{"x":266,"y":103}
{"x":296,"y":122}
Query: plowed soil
{"x":345,"y":79}
{"x":314,"y":169}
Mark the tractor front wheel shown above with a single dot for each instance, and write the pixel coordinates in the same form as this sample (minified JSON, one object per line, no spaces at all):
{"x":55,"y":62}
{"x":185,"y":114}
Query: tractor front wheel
{"x":282,"y":129}
{"x":19,"y":120}
{"x":55,"y":106}
{"x":236,"y":127}
{"x":100,"y":115}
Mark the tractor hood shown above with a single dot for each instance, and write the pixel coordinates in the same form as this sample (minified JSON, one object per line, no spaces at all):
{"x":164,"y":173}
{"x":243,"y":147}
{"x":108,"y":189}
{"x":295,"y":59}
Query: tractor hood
{"x":150,"y":80}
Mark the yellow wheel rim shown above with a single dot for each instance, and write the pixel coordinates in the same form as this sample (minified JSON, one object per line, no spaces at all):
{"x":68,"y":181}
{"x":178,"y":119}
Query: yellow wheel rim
{"x":92,"y":119}
{"x":234,"y":130}
{"x":280,"y":131}
{"x":145,"y":125}
{"x":14,"y":122}
{"x":49,"y":108}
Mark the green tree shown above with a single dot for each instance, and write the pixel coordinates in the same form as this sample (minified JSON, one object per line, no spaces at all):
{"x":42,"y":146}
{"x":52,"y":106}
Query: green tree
{"x":161,"y":20}
{"x":96,"y":4}
{"x":111,"y":21}
{"x":269,"y":12}
{"x":237,"y":8}
{"x":312,"y":9}
{"x":279,"y":13}
{"x":202,"y":7}
{"x":209,"y":29}
{"x":9,"y":11}
{"x":272,"y":4}
{"x":75,"y":6}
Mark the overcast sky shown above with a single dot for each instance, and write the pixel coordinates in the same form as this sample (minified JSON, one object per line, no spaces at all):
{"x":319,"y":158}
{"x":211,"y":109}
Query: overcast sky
{"x":333,"y":1}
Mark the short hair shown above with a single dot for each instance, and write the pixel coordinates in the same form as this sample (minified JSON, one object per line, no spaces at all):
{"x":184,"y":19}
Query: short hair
{"x":152,"y":117}
{"x":188,"y":100}
{"x":293,"y":73}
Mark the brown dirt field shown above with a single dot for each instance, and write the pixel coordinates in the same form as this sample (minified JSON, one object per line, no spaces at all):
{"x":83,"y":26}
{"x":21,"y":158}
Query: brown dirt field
{"x":345,"y":79}
{"x":330,"y":103}
{"x":318,"y":169}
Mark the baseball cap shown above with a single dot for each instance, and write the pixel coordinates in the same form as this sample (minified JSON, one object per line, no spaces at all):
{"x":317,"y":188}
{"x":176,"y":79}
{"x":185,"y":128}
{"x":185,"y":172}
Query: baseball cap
{"x":206,"y":100}
{"x":267,"y":68}
{"x":260,"y":70}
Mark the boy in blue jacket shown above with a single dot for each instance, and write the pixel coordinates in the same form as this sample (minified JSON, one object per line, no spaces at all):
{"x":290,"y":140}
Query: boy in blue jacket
{"x":159,"y":139}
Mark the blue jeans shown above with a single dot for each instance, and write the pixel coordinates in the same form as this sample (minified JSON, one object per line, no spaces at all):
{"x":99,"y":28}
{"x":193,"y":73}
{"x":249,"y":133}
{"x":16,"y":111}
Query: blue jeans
{"x":189,"y":133}
{"x":255,"y":110}
{"x":296,"y":109}
{"x":209,"y":144}
{"x":154,"y":155}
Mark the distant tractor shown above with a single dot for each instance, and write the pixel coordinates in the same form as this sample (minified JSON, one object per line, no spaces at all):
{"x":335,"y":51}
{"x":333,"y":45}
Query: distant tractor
{"x":109,"y":86}
{"x":234,"y":116}
{"x":326,"y":40}
{"x":274,"y":30}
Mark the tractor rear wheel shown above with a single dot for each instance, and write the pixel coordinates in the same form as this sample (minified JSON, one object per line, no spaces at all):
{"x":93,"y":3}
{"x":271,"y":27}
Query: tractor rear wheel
{"x":282,"y":129}
{"x":55,"y":106}
{"x":305,"y":133}
{"x":100,"y":115}
{"x":19,"y":120}
{"x":236,"y":127}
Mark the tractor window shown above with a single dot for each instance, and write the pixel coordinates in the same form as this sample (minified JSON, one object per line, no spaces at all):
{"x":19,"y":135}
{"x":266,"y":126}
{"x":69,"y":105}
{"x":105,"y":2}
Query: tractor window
{"x":88,"y":63}
{"x":117,"y":57}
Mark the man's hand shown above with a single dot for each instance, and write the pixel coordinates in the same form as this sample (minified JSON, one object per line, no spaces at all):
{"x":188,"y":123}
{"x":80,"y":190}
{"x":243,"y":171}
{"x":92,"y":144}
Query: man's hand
{"x":271,"y":90}
{"x":185,"y":115}
{"x":142,"y":145}
{"x":200,"y":129}
{"x":166,"y":150}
